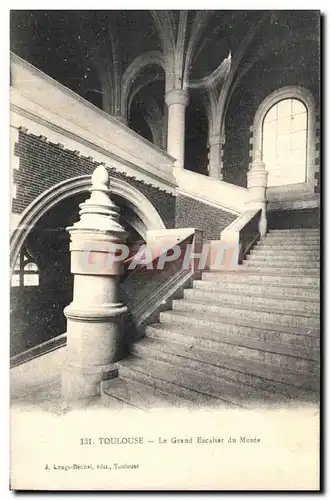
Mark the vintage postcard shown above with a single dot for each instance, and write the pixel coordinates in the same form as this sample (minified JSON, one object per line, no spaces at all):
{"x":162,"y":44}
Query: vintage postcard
{"x":165,"y":250}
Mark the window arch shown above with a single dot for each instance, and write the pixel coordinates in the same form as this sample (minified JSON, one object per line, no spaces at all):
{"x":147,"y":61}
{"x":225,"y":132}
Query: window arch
{"x":284,"y":142}
{"x":284,"y":132}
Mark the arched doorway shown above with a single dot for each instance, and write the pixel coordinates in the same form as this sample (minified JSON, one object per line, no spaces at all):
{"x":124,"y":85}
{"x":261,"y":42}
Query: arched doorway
{"x":41,"y":278}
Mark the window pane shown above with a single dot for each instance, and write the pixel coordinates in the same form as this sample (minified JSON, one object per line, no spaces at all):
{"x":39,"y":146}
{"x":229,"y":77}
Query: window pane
{"x":283,"y":146}
{"x":284,"y":142}
{"x":284,"y":125}
{"x":31,"y":280}
{"x":298,"y":157}
{"x":270,"y":128}
{"x":269,"y":151}
{"x":271,"y":115}
{"x":299,"y":140}
{"x":298,"y":107}
{"x":299,"y":122}
{"x":15,"y":280}
{"x":31,"y":266}
{"x":284,"y":108}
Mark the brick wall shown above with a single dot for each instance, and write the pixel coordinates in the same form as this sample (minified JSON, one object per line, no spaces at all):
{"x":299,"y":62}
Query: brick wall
{"x":294,"y":219}
{"x":43,"y":164}
{"x":193,"y":213}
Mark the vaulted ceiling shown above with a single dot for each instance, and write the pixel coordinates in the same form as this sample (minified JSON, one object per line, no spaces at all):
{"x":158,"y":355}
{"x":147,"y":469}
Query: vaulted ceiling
{"x":120,"y":59}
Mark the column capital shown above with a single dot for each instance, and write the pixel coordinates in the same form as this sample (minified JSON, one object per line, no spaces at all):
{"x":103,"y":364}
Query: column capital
{"x":177,"y":96}
{"x":217,"y":139}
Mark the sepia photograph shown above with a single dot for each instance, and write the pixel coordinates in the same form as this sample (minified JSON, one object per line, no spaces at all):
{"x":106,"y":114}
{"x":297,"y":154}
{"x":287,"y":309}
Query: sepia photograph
{"x":165,"y":249}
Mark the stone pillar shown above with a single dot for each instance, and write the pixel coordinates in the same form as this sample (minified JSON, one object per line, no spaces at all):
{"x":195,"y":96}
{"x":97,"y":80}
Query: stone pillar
{"x":94,"y":317}
{"x":257,"y":185}
{"x":176,"y":101}
{"x":216,"y":143}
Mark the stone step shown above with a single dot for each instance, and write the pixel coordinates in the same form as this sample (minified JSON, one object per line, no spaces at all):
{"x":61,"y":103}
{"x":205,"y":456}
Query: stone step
{"x":288,"y":246}
{"x":297,"y":235}
{"x":303,"y":291}
{"x":265,"y":267}
{"x":293,"y":237}
{"x":262,"y":250}
{"x":140,"y":395}
{"x":228,"y":325}
{"x":279,"y":264}
{"x":253,"y":299}
{"x":244,"y":276}
{"x":289,"y":257}
{"x":273,"y":353}
{"x":311,"y":230}
{"x":238,"y":370}
{"x":114,"y":403}
{"x":260,"y":313}
{"x":161,"y":376}
{"x":202,"y":389}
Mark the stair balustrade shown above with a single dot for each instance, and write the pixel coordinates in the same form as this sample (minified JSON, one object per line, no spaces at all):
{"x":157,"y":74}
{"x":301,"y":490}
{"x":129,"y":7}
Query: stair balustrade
{"x":149,"y":287}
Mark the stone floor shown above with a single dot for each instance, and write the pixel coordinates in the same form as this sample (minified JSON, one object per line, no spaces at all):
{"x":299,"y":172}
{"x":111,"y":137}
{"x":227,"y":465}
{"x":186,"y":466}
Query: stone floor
{"x":36,"y":385}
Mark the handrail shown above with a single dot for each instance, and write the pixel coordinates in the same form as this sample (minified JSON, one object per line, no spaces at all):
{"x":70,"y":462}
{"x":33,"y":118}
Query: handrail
{"x":147,"y":290}
{"x":243,"y":231}
{"x":159,"y":242}
{"x":223,"y":195}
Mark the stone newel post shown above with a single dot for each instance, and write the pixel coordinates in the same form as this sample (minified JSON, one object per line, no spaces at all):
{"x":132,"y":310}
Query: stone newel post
{"x":176,"y":101}
{"x":257,"y":185}
{"x":94,"y":332}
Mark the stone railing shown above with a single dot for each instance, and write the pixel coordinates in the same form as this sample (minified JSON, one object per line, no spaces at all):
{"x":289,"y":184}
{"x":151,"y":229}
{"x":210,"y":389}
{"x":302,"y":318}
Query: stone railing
{"x":45,"y":107}
{"x":244,"y":231}
{"x":251,"y":225}
{"x":220,"y":194}
{"x":148,"y":290}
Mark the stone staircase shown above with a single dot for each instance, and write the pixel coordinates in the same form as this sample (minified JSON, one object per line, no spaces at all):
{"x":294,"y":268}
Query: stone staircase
{"x":244,"y":338}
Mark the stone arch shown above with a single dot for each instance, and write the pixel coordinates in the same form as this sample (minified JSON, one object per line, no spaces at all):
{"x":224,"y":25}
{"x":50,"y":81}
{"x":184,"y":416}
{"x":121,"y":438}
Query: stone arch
{"x":133,"y":198}
{"x":131,"y":73}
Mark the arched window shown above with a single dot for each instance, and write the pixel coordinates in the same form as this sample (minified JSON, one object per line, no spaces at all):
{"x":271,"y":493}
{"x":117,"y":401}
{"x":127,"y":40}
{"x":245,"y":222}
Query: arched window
{"x":284,"y":132}
{"x":284,"y":142}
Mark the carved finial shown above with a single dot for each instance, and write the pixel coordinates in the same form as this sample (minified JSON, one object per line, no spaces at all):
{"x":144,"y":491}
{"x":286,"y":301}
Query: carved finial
{"x":98,"y":212}
{"x":100,"y":178}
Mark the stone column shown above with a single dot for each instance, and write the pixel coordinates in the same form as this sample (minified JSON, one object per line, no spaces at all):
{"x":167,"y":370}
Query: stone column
{"x":257,"y":185}
{"x":94,"y":317}
{"x":215,"y":155}
{"x":176,"y":101}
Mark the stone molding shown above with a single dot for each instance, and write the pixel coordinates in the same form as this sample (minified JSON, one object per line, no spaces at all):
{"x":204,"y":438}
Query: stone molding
{"x":47,"y":108}
{"x":177,"y":96}
{"x":212,"y":191}
{"x":231,"y":233}
{"x":136,"y":201}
